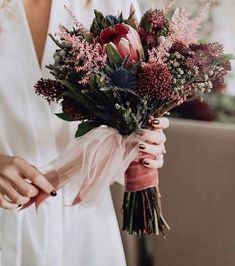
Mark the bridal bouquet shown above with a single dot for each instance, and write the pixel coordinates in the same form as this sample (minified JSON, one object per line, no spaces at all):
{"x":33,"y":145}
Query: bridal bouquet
{"x":113,"y":78}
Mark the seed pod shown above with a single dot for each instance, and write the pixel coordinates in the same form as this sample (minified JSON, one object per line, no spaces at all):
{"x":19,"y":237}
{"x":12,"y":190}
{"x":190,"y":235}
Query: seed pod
{"x":57,"y":59}
{"x":63,"y":53}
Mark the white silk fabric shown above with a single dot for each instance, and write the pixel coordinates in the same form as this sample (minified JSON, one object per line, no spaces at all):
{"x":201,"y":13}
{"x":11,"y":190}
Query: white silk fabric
{"x":54,"y":234}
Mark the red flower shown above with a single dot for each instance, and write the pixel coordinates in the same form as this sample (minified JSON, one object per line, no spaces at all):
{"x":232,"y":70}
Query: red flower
{"x":49,"y":89}
{"x":154,"y":82}
{"x":125,"y":39}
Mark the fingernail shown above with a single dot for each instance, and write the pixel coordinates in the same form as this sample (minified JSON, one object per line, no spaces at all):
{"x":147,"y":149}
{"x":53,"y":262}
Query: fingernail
{"x":156,"y":122}
{"x":53,"y":193}
{"x":146,"y":163}
{"x":142,"y":146}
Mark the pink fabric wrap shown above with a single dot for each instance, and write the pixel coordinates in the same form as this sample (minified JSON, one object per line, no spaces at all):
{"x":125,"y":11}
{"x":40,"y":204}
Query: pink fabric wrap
{"x":138,"y":177}
{"x":89,"y":165}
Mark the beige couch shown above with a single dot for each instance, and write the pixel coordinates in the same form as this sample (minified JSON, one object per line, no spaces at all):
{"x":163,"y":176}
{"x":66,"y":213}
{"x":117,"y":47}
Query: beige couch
{"x":198,"y":188}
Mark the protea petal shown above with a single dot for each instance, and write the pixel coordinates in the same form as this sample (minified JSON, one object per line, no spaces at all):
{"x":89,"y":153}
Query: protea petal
{"x":134,"y":39}
{"x":134,"y":55}
{"x":107,"y":35}
{"x":121,"y":29}
{"x":123,"y":48}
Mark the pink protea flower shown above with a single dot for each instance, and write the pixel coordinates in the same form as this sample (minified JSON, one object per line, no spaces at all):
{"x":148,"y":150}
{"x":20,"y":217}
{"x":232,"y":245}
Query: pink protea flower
{"x":125,"y":39}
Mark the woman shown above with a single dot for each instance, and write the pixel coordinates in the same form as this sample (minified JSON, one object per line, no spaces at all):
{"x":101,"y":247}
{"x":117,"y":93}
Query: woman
{"x":32,"y":135}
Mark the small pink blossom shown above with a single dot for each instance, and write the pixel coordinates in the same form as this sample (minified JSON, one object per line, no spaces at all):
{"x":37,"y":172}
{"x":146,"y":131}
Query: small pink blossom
{"x":88,"y":58}
{"x":185,"y":29}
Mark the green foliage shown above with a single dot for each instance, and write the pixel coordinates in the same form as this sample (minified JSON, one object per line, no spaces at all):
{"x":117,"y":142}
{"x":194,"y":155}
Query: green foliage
{"x":65,"y":117}
{"x":228,"y":57}
{"x":85,"y":127}
{"x":101,"y":22}
{"x":131,"y":20}
{"x":223,"y":106}
{"x":113,"y":55}
{"x":78,"y":96}
{"x":98,"y":23}
{"x":221,"y":61}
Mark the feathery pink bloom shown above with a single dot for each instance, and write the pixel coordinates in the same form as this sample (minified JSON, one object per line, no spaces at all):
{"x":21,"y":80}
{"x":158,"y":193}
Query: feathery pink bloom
{"x":88,"y":58}
{"x":184,"y":28}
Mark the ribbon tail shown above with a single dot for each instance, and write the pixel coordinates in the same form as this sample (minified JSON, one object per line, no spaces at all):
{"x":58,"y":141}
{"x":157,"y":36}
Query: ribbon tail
{"x":77,"y":200}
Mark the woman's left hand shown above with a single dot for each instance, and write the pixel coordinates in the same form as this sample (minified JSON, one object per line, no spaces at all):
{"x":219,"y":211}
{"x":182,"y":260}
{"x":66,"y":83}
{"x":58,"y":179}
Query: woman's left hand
{"x":153,"y":142}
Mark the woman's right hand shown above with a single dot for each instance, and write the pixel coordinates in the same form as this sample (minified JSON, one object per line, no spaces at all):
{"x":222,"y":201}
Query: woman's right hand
{"x":20,"y":181}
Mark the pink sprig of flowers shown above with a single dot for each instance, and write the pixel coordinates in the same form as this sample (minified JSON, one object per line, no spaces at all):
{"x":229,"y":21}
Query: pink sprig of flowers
{"x":87,"y":58}
{"x":184,"y":28}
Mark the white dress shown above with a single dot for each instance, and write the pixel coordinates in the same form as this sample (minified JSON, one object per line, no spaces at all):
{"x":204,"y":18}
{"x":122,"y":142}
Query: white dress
{"x":55,"y":235}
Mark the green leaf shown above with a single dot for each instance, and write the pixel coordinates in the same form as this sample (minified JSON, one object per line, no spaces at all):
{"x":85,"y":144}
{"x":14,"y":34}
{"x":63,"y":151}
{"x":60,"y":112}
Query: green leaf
{"x":76,"y":95}
{"x":228,"y":57}
{"x":129,"y":91}
{"x":65,"y":117}
{"x":113,"y":55}
{"x":85,"y":127}
{"x":98,"y":23}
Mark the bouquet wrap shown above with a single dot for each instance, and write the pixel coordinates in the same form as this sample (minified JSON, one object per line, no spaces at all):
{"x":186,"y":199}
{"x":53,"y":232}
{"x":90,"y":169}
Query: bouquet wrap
{"x":89,"y":165}
{"x":142,"y":212}
{"x":138,"y":177}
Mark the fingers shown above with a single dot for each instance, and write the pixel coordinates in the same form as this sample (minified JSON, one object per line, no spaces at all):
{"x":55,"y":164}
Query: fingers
{"x":159,"y":123}
{"x":152,"y":142}
{"x":154,"y":164}
{"x":152,"y":149}
{"x":13,"y":195}
{"x":155,"y":137}
{"x":24,"y":187}
{"x":31,"y":173}
{"x":6,"y":204}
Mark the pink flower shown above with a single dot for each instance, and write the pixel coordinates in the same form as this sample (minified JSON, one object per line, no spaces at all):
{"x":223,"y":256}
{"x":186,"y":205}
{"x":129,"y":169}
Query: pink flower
{"x":125,"y":39}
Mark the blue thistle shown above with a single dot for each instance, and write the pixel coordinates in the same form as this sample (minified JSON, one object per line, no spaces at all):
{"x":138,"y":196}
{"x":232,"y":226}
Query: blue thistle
{"x":121,"y":77}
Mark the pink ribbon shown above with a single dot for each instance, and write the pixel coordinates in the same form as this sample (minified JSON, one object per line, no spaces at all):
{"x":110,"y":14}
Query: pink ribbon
{"x":138,"y":177}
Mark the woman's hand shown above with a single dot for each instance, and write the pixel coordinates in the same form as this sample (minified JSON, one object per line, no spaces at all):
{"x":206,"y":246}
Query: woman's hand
{"x":20,"y":181}
{"x":152,"y":142}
